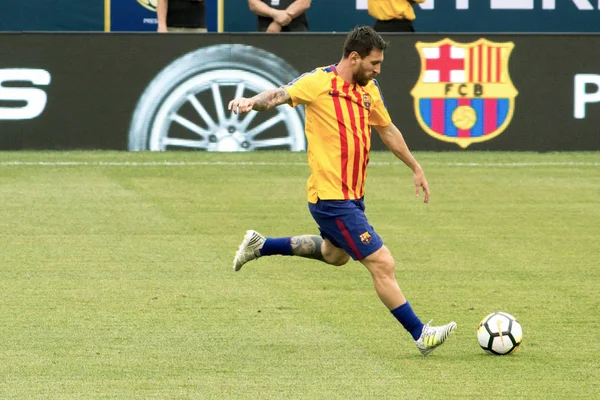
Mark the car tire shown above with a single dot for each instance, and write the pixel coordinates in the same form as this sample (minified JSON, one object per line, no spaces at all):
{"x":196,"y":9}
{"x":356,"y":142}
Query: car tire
{"x":228,"y":56}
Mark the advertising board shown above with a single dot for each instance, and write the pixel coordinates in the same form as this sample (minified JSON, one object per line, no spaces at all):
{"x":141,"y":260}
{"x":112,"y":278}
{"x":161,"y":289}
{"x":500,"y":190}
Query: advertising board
{"x":168,"y":92}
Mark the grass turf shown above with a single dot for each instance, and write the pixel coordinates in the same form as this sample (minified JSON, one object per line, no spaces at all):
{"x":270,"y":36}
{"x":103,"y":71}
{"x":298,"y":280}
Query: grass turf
{"x":116,"y":278}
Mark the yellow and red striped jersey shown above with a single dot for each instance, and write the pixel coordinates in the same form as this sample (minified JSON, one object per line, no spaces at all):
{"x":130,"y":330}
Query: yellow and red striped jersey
{"x":339,"y":116}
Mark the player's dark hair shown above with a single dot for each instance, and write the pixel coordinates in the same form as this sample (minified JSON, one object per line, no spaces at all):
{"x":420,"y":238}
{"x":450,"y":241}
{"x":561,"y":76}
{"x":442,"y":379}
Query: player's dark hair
{"x":363,"y":39}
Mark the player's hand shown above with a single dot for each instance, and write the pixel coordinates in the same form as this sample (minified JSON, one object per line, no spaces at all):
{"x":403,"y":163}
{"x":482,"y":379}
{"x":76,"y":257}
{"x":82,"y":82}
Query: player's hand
{"x":240,"y":105}
{"x":282,"y":18}
{"x":421,"y":183}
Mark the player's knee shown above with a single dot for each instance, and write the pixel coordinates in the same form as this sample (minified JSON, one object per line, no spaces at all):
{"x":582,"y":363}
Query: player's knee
{"x":383,"y":266}
{"x":334,"y":256}
{"x":340,"y":260}
{"x":387,"y":266}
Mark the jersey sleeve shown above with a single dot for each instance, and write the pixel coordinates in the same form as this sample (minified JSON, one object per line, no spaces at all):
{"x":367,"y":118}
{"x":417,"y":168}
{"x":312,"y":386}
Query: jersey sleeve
{"x":379,"y":113}
{"x":303,"y":89}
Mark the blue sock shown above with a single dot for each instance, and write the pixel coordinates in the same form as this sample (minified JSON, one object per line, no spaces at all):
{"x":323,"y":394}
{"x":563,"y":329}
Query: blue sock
{"x":273,"y":246}
{"x":407,"y":317}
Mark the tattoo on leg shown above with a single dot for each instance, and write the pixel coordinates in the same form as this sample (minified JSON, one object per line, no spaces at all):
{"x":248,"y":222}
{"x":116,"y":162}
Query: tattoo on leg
{"x":308,"y":246}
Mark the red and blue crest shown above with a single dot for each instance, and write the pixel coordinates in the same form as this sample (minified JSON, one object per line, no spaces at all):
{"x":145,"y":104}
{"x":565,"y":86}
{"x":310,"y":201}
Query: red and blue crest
{"x":464,"y":93}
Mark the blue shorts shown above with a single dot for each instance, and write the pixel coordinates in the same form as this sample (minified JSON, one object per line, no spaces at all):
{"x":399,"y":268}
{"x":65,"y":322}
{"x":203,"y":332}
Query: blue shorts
{"x":345,"y":224}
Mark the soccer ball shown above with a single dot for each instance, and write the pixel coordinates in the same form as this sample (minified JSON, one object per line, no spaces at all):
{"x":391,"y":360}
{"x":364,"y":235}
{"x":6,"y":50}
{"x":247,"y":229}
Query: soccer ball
{"x":499,"y":333}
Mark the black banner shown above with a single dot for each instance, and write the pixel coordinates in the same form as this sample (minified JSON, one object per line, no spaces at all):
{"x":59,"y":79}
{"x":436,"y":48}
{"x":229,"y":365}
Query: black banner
{"x":168,"y":92}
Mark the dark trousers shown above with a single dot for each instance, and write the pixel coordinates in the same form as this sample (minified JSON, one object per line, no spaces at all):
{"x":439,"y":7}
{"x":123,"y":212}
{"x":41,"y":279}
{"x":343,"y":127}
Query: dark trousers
{"x":394,"y":25}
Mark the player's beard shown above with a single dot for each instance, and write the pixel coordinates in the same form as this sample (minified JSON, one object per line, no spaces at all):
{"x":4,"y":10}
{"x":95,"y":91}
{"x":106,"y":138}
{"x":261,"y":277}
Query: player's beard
{"x":360,"y":77}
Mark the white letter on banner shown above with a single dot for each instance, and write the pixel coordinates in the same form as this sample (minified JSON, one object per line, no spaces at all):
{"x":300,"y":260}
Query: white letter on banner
{"x":428,"y":5}
{"x":511,"y":4}
{"x":581,"y":97}
{"x":35,"y":99}
{"x":548,"y":4}
{"x":583,"y":4}
{"x":362,"y":5}
{"x":462,"y":4}
{"x":580,"y":4}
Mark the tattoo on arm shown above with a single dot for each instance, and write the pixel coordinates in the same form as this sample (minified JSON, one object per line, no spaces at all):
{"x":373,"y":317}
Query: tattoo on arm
{"x":308,"y":246}
{"x":270,"y":99}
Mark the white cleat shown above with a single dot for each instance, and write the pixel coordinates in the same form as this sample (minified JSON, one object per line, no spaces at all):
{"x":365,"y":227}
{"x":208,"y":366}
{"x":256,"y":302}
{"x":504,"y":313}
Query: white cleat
{"x":249,"y":249}
{"x":433,"y":336}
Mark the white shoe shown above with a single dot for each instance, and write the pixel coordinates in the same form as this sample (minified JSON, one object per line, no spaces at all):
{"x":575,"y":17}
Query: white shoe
{"x":433,"y":336}
{"x":249,"y":249}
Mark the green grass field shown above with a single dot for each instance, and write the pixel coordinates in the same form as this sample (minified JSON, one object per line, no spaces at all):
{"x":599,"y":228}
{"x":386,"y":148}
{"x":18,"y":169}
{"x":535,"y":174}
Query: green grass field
{"x":116,"y":279}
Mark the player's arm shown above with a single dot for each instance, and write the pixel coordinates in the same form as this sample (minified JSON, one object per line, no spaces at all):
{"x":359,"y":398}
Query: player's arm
{"x":161,"y":14}
{"x":297,"y":8}
{"x":393,"y":139}
{"x":260,"y":8}
{"x":261,"y":102}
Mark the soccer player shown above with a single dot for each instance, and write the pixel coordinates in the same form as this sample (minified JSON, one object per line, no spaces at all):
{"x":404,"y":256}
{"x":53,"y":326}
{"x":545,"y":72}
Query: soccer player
{"x":342,"y":102}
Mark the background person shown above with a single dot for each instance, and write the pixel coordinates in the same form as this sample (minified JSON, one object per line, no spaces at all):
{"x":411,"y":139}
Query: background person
{"x":280,"y":15}
{"x":393,"y":15}
{"x":181,"y":15}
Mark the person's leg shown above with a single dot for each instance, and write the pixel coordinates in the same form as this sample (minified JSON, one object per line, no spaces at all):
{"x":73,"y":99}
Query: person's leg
{"x":381,"y":266}
{"x":427,"y":338}
{"x":333,"y":255}
{"x":315,"y":247}
{"x":308,"y":246}
{"x":324,"y":248}
{"x":366,"y":246}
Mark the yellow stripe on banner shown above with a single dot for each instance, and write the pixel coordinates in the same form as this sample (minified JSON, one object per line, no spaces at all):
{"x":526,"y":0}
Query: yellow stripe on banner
{"x":220,"y":16}
{"x":476,"y":56}
{"x":106,"y":15}
{"x":490,"y":56}
{"x":494,"y":65}
{"x":502,"y":65}
{"x":484,"y":63}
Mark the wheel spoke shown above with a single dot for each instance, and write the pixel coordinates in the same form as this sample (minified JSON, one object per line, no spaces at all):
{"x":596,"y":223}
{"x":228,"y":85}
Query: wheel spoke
{"x":239,"y":92}
{"x":272,"y":142}
{"x":265,"y":125}
{"x":196,"y":144}
{"x":246,"y":121}
{"x":186,"y":123}
{"x":202,"y":112}
{"x":218,"y":103}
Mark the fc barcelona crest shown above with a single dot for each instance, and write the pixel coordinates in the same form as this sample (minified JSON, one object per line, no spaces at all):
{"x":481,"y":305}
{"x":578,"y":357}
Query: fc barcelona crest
{"x":464,"y":93}
{"x":365,"y":238}
{"x":367,"y":100}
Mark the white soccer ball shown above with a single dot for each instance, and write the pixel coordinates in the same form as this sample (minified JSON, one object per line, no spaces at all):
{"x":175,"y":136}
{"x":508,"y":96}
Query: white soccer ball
{"x":499,"y":333}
